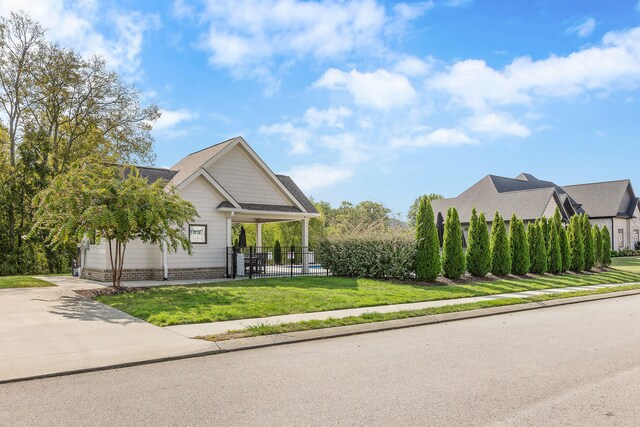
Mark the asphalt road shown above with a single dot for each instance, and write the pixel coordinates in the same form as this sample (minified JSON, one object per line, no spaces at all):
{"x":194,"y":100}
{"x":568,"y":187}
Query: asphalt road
{"x":570,"y":365}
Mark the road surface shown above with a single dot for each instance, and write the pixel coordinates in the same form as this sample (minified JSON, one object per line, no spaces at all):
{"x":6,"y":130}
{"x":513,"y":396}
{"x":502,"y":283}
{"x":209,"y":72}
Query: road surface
{"x":569,"y":365}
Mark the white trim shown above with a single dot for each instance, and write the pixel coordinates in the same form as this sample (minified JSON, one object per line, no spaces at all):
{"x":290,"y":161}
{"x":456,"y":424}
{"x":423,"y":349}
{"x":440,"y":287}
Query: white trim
{"x":215,"y":184}
{"x":280,"y":186}
{"x":270,"y":214}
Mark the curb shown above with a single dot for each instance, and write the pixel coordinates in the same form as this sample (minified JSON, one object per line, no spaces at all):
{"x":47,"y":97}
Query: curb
{"x":249,"y":343}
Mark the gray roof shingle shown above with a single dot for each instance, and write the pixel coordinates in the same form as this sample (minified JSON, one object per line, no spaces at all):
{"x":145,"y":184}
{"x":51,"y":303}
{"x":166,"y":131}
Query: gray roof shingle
{"x":154,"y":174}
{"x":528,"y":196}
{"x":297,"y":193}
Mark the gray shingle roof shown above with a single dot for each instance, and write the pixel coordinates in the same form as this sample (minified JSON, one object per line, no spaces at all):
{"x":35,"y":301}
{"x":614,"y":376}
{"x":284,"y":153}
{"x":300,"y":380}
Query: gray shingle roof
{"x":297,"y":193}
{"x":190,"y":164}
{"x":154,"y":174}
{"x":600,"y":199}
{"x":528,"y":196}
{"x":526,"y":204}
{"x":261,"y":207}
{"x":194,"y":161}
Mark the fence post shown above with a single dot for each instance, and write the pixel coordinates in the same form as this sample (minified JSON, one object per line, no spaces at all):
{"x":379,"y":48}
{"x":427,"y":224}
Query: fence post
{"x":250,"y":262}
{"x":234,"y":262}
{"x":292,"y":258}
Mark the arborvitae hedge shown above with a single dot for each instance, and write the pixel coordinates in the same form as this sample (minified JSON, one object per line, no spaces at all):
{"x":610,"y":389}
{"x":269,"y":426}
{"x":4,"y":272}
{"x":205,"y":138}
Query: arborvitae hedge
{"x":519,"y":246}
{"x":576,"y":243}
{"x":277,"y":252}
{"x":500,"y":251}
{"x":597,"y":244}
{"x":427,"y":244}
{"x":544,"y":225}
{"x":589,"y":247}
{"x":452,"y":253}
{"x":537,"y":248}
{"x":565,"y":252}
{"x":555,"y":253}
{"x":478,"y":248}
{"x":606,"y":246}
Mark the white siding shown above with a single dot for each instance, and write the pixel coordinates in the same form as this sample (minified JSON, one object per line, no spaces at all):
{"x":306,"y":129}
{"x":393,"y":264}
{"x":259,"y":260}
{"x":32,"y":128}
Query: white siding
{"x":97,"y":256}
{"x":244,"y":181}
{"x":140,"y":255}
{"x":213,"y":253}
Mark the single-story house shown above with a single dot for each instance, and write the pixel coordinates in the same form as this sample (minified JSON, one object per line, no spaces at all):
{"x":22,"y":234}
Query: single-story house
{"x":611,"y":204}
{"x":227,"y":183}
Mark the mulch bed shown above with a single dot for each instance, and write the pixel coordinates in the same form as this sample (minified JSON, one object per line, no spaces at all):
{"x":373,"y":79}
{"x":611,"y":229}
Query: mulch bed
{"x":107,"y":290}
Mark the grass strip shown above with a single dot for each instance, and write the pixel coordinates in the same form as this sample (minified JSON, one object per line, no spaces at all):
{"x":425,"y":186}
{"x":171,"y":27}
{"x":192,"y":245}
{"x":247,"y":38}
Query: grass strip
{"x":245,"y":299}
{"x":8,"y":282}
{"x":265,"y":329}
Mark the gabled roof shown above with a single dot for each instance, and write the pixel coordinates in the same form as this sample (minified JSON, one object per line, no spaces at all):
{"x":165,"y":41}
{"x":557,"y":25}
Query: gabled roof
{"x":196,"y":162}
{"x":528,"y":197}
{"x":526,"y":204}
{"x":600,"y":199}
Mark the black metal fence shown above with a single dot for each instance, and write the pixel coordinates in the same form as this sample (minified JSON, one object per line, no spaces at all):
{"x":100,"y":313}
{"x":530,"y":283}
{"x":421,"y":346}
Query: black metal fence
{"x":269,"y":261}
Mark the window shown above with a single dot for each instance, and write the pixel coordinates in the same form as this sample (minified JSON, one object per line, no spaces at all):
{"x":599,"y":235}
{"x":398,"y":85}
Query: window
{"x":198,"y":234}
{"x":636,"y":237}
{"x":620,"y":238}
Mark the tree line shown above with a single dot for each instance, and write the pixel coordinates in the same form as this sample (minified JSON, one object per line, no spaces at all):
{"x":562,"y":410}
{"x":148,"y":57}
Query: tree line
{"x":543,"y":246}
{"x":58,"y":110}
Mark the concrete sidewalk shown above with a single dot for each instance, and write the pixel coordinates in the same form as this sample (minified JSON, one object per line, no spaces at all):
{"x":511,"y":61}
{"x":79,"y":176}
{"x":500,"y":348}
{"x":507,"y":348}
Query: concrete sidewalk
{"x":46,"y":331}
{"x":213,"y":328}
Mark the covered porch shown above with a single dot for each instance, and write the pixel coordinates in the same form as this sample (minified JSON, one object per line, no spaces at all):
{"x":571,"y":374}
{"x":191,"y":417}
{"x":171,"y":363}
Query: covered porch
{"x":260,"y":260}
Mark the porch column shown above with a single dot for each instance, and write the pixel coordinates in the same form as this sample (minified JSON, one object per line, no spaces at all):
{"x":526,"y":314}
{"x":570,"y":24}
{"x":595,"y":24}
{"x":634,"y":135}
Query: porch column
{"x":229,"y":233}
{"x":258,"y":234}
{"x":305,"y":245}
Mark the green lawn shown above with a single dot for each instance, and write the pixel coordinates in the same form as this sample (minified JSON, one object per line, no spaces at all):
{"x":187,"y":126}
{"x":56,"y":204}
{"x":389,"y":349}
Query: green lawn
{"x":174,"y":305}
{"x":631,"y":263}
{"x":283,"y":328}
{"x":7,"y":282}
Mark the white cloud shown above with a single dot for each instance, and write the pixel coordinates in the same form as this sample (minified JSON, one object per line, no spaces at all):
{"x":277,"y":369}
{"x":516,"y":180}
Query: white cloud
{"x":169,"y":119}
{"x":412,"y":67}
{"x":348,"y":145}
{"x":380,"y":89}
{"x":457,"y":3}
{"x":331,"y":117}
{"x":243,"y":35}
{"x":244,"y":32}
{"x":313,"y":176}
{"x":497,"y":124}
{"x":297,"y":137}
{"x":439,"y":137}
{"x":613,"y":64}
{"x":75,"y":24}
{"x":582,"y":29}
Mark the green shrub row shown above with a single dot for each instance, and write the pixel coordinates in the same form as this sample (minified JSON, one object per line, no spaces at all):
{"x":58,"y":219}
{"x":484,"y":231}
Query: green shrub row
{"x":378,"y":256}
{"x":543,"y":246}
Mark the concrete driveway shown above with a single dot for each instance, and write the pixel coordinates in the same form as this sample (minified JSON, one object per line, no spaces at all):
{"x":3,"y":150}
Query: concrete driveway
{"x":52,"y":330}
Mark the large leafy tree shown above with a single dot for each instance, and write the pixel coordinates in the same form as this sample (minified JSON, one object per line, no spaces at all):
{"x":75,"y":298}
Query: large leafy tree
{"x":479,"y":246}
{"x":500,"y":250}
{"x":113,"y":204}
{"x":452,"y":252}
{"x":58,"y":108}
{"x":520,"y":262}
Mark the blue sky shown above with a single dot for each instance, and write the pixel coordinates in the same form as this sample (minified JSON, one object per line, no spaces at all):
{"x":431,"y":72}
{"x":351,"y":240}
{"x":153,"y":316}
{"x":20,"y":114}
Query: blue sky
{"x":380,"y":100}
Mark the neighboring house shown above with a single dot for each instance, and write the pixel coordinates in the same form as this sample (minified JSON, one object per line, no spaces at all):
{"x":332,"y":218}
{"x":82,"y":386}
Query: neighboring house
{"x":227,"y":183}
{"x":611,"y":204}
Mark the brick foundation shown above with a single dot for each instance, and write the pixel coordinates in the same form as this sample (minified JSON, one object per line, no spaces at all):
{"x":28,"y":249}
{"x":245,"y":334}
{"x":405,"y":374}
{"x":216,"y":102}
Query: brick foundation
{"x":156,"y":274}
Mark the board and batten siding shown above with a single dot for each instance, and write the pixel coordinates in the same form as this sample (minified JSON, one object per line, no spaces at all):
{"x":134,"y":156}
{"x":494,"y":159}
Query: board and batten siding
{"x":213,"y":253}
{"x":242,"y":179}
